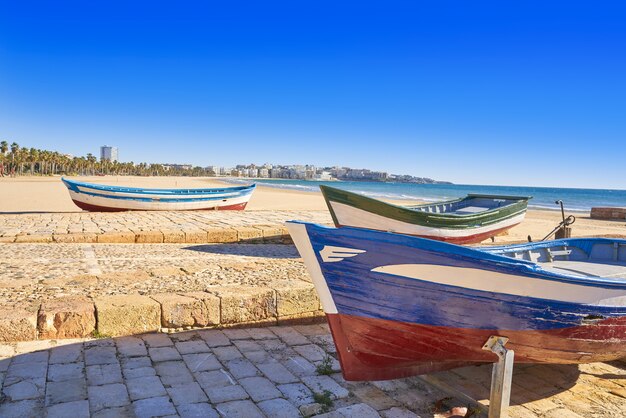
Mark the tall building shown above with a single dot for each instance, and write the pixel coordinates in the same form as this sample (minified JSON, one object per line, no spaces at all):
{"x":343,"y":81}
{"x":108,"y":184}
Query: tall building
{"x":108,"y":153}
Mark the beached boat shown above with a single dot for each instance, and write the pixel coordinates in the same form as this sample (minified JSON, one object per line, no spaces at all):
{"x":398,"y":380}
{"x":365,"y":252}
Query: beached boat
{"x":471,"y":219}
{"x":103,"y":198}
{"x":399,"y":305}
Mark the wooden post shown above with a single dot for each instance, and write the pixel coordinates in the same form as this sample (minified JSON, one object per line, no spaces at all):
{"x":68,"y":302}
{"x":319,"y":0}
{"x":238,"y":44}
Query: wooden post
{"x":501,"y":377}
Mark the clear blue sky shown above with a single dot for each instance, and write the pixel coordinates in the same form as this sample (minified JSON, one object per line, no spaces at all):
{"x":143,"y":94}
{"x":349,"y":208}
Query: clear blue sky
{"x":521,"y":93}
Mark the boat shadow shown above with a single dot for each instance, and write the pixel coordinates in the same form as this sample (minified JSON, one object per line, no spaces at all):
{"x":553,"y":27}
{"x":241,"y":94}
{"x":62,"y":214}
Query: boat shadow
{"x":248,"y":250}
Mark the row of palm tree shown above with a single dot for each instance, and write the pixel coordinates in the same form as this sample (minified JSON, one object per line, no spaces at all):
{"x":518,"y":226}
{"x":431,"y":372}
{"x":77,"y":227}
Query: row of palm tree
{"x":17,"y":161}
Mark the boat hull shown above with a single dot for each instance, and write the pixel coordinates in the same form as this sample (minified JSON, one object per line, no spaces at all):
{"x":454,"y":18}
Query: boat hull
{"x":101,"y":198}
{"x":377,"y":349}
{"x":399,"y":305}
{"x":354,"y":210}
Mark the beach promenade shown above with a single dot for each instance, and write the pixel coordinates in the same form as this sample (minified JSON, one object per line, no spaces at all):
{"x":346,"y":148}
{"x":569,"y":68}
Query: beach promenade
{"x":213,"y":314}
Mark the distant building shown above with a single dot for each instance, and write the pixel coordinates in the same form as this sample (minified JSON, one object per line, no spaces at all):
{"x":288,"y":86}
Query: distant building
{"x":108,"y":153}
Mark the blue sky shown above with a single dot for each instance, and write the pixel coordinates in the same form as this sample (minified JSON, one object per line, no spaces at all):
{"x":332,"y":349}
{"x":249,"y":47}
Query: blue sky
{"x":526,"y":93}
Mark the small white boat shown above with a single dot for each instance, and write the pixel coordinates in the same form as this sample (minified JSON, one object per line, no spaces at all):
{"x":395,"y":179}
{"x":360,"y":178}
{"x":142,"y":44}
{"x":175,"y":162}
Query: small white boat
{"x":104,"y":198}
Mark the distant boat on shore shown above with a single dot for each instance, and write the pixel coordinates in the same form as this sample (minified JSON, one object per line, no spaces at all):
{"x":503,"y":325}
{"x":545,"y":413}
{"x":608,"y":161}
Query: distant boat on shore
{"x":399,"y":306}
{"x":469,"y":220}
{"x":104,"y":198}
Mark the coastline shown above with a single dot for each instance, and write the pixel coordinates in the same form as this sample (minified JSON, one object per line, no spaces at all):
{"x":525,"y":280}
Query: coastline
{"x":42,"y":195}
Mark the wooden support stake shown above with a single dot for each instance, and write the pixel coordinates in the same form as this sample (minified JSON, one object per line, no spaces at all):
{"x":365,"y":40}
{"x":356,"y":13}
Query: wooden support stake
{"x":501,"y":377}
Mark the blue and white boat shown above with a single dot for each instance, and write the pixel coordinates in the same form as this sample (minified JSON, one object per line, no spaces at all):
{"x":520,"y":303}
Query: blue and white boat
{"x":399,"y":305}
{"x":104,"y":198}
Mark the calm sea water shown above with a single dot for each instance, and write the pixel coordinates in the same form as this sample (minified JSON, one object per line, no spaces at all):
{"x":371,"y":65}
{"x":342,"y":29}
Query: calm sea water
{"x":543,"y":197}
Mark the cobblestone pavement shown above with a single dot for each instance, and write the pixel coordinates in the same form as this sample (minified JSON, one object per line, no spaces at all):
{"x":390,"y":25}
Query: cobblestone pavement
{"x":275,"y":372}
{"x":39,"y":272}
{"x":151,"y":227}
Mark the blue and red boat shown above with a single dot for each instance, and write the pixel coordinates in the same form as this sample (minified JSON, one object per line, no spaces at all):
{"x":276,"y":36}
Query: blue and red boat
{"x":399,"y":305}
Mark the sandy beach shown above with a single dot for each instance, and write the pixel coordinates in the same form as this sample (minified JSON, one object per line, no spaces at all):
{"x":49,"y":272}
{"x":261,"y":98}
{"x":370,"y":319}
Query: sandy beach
{"x":49,"y":195}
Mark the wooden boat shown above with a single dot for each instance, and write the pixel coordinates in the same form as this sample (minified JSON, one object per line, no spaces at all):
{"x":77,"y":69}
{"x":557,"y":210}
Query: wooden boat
{"x":462,"y":221}
{"x":103,"y":198}
{"x":399,"y":305}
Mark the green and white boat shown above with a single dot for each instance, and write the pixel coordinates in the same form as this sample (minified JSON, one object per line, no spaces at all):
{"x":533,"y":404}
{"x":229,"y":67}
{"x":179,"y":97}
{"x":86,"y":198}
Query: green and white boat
{"x":469,"y":220}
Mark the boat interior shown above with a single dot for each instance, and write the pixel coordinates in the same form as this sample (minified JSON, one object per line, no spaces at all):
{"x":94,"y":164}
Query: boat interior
{"x":466,"y":206}
{"x":605,"y":259}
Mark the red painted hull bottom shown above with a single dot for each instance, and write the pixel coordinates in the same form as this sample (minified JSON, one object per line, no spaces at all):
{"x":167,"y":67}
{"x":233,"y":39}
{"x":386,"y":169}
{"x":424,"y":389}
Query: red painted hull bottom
{"x":378,"y":349}
{"x":95,"y":208}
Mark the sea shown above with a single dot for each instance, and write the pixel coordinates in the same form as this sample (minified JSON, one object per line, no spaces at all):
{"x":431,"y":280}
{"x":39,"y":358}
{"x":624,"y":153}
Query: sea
{"x":578,"y":200}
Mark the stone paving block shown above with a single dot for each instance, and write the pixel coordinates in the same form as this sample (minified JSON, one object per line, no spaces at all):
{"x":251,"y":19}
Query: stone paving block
{"x":236,"y":334}
{"x":25,"y":389}
{"x":212,"y":304}
{"x":278,"y":408}
{"x":173,"y":373}
{"x":373,"y":396}
{"x":242,"y":409}
{"x":100,"y":355}
{"x":257,"y":357}
{"x":240,"y":368}
{"x":214,"y":378}
{"x":299,"y":366}
{"x":214,"y":338}
{"x":261,"y":333}
{"x":17,"y":324}
{"x":76,"y":409}
{"x":195,"y":236}
{"x":289,"y":335}
{"x":148,"y":237}
{"x":297,"y":393}
{"x":276,"y":372}
{"x":186,"y":394}
{"x":192,"y":347}
{"x":33,"y":238}
{"x":201,"y":362}
{"x":247,"y":345}
{"x":157,"y":340}
{"x":139,"y":372}
{"x":66,"y":391}
{"x":197,"y":410}
{"x":221,"y":235}
{"x":135,"y":363}
{"x":29,"y":408}
{"x":127,"y":314}
{"x":181,"y":311}
{"x":131,"y":347}
{"x":227,"y":353}
{"x":75,"y":238}
{"x":249,"y":234}
{"x":320,"y":384}
{"x":294,"y":297}
{"x":260,"y":388}
{"x":145,"y":387}
{"x":164,"y":354}
{"x":66,"y":317}
{"x":154,"y":407}
{"x":359,"y":410}
{"x":107,"y":396}
{"x":67,"y":371}
{"x":397,"y":412}
{"x":66,"y":354}
{"x":245,"y":304}
{"x":173,"y":236}
{"x":104,"y":374}
{"x":25,"y":371}
{"x":30,"y":357}
{"x":310,"y":352}
{"x":116,"y":412}
{"x":313,"y":329}
{"x":7,"y":239}
{"x":116,"y":237}
{"x":228,"y":393}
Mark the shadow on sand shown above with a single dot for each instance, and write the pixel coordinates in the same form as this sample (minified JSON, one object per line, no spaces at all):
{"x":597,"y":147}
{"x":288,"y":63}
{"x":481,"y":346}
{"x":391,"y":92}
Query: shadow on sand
{"x":248,"y":250}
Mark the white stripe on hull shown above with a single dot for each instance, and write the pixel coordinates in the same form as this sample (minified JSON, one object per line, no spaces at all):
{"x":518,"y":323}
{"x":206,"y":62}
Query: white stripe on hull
{"x":301,"y":239}
{"x":350,"y":216}
{"x":510,"y":284}
{"x":160,"y":196}
{"x":141,"y":205}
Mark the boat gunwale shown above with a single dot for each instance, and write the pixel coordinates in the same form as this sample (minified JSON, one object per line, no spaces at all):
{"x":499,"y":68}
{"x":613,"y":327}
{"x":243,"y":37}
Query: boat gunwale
{"x":153,"y":191}
{"x":482,"y":255}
